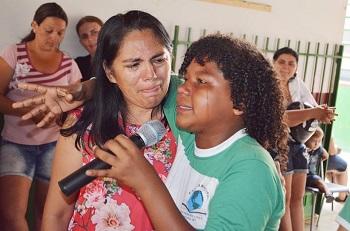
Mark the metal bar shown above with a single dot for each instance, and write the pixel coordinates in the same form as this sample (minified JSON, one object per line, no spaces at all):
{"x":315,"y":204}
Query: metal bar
{"x":306,"y":60}
{"x":315,"y":70}
{"x":175,"y":44}
{"x":188,"y":37}
{"x":288,"y":43}
{"x":323,"y":77}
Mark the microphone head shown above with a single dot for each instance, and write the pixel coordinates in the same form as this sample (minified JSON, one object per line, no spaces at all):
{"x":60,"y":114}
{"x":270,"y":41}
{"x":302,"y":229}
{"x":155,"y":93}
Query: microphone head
{"x":151,"y":132}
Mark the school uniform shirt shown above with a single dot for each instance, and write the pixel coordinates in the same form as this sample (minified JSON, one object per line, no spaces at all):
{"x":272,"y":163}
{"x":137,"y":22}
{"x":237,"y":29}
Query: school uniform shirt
{"x":343,"y":217}
{"x":233,"y":186}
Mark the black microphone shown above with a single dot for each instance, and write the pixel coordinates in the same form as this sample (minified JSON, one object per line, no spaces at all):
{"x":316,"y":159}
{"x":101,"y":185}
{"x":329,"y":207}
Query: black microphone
{"x":148,"y":134}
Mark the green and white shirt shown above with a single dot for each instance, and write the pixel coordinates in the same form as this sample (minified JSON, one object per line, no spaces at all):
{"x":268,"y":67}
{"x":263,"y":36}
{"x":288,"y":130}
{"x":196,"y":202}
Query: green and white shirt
{"x":233,"y":186}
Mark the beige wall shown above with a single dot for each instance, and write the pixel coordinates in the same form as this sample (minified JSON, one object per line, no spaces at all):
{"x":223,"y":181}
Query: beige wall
{"x":305,"y":20}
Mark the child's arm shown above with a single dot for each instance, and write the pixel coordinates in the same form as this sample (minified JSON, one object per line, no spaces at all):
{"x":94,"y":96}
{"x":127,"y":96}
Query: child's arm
{"x":325,"y":154}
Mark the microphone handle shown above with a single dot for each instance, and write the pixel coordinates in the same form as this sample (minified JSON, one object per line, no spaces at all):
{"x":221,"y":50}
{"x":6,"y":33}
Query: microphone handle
{"x":79,"y":179}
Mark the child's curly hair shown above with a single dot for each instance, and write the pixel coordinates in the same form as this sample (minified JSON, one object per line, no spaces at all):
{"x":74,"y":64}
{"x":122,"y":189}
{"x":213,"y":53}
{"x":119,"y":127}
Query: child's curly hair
{"x":255,"y":87}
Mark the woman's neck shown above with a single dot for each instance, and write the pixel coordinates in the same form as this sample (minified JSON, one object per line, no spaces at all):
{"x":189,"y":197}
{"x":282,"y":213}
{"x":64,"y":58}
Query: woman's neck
{"x":33,"y":46}
{"x":140,"y":116}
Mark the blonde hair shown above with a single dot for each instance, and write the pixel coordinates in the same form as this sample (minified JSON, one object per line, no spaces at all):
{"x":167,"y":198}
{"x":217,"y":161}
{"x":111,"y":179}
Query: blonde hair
{"x":318,"y":132}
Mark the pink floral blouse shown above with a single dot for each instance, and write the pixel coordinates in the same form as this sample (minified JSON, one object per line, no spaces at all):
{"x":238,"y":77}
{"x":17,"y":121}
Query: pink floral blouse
{"x":105,"y":204}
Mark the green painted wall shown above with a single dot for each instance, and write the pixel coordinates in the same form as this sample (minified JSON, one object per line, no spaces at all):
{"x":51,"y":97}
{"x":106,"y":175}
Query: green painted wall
{"x":341,"y":127}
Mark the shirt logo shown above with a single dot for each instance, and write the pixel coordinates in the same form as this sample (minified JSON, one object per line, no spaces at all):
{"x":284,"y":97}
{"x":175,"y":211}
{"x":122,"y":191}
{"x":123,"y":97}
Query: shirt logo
{"x":195,"y":201}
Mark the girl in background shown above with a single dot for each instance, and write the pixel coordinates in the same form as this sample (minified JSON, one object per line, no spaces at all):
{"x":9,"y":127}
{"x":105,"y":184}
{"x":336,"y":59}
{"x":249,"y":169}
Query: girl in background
{"x":286,"y":63}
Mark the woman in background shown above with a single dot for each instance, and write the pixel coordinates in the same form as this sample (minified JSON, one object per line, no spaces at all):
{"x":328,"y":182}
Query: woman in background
{"x":286,"y":63}
{"x":26,"y":151}
{"x":87,"y":29}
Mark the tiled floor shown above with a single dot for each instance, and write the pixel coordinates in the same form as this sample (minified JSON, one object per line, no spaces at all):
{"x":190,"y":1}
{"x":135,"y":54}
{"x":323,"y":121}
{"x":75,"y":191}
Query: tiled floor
{"x":327,"y":219}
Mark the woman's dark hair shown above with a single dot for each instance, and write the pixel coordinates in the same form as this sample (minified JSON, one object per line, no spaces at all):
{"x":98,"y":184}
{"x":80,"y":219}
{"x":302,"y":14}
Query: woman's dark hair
{"x":50,"y":9}
{"x":86,"y":19}
{"x":255,"y":87}
{"x":286,"y":50}
{"x":108,"y":101}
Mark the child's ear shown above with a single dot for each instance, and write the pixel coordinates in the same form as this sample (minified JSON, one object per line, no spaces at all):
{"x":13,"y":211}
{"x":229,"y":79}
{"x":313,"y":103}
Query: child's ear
{"x":109,"y":73}
{"x":237,"y":112}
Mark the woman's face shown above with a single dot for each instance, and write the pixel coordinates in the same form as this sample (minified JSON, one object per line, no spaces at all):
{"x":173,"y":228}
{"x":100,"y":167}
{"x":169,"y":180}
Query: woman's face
{"x":50,"y":33}
{"x":286,"y":65}
{"x":141,"y":69}
{"x":88,"y":33}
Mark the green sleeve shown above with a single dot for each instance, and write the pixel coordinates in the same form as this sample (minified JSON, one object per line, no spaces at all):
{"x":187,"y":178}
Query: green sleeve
{"x":247,"y":198}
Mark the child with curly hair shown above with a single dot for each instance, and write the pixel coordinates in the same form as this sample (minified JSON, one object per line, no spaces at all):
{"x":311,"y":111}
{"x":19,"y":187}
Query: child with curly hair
{"x":231,"y":101}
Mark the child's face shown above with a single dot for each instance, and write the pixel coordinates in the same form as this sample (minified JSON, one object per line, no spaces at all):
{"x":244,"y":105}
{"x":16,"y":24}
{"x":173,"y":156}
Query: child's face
{"x":314,"y":143}
{"x":204,"y":104}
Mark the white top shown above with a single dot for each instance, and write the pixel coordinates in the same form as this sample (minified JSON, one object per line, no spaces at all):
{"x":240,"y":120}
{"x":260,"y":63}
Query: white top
{"x":300,"y":92}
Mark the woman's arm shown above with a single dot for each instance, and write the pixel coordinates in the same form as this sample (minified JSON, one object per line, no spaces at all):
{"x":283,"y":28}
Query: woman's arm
{"x":323,"y":114}
{"x":54,"y":100}
{"x":130,"y":167}
{"x":59,"y":208}
{"x":6,"y":108}
{"x":282,"y":179}
{"x":6,"y":74}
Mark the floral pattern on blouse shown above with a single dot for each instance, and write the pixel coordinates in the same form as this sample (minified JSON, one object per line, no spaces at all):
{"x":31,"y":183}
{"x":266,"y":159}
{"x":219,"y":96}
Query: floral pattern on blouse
{"x":104,"y":204}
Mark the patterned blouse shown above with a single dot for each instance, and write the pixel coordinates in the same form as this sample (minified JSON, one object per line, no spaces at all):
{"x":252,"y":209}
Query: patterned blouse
{"x":106,"y":204}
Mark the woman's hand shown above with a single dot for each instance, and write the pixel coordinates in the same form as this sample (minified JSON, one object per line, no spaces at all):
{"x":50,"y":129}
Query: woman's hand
{"x":53,"y":100}
{"x":327,"y":114}
{"x":323,"y":114}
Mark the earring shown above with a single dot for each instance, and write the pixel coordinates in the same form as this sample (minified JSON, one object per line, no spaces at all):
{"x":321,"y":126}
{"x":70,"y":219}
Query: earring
{"x":295,"y":74}
{"x":34,"y":30}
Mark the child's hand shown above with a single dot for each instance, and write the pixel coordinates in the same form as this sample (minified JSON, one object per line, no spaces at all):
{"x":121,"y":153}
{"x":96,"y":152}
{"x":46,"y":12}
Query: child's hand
{"x":128,"y":164}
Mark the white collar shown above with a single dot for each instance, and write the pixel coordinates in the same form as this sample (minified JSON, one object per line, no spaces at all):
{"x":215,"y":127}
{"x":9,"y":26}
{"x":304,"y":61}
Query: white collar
{"x":217,"y":149}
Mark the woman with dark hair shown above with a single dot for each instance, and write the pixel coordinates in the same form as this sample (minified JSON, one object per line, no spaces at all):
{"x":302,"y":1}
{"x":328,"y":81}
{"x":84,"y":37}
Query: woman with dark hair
{"x":26,"y":151}
{"x":295,"y":90}
{"x":133,"y":74}
{"x":87,"y":29}
{"x":232,"y":102}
